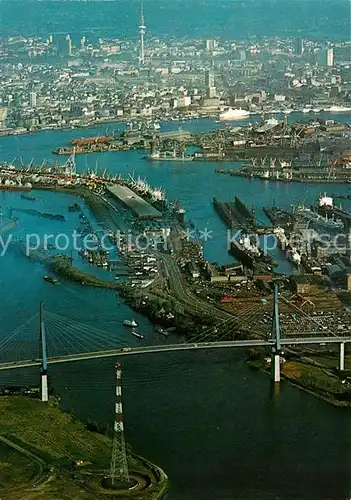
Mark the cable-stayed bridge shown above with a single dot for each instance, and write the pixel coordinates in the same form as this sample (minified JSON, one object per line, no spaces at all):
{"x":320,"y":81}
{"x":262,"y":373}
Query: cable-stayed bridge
{"x":50,"y":338}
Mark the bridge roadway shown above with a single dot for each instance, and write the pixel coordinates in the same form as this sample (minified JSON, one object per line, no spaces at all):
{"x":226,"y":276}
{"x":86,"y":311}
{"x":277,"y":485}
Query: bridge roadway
{"x":151,"y":349}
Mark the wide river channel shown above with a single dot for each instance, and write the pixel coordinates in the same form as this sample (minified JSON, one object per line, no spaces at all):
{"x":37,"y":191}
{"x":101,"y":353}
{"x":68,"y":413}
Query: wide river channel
{"x":216,"y":427}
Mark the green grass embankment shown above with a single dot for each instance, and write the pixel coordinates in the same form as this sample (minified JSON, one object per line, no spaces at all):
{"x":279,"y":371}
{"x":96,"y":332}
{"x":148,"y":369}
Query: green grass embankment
{"x":54,"y":439}
{"x":322,"y":381}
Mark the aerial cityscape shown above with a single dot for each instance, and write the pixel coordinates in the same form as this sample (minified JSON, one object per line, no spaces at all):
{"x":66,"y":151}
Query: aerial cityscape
{"x":175,"y":250}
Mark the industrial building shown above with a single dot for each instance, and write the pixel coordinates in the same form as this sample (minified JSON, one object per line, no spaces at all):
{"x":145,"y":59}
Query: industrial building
{"x":140,"y":208}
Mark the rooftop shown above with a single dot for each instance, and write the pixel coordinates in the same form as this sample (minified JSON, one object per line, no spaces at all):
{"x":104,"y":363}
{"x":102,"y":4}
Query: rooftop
{"x":141,"y":208}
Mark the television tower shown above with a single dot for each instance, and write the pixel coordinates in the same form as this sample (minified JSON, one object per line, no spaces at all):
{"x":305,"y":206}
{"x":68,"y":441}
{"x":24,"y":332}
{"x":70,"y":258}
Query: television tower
{"x":119,"y":464}
{"x":142,"y":32}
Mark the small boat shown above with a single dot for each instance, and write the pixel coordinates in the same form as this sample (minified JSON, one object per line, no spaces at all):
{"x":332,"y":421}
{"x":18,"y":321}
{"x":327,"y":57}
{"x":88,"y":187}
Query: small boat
{"x":138,"y":335}
{"x":132,"y":323}
{"x":162,"y":331}
{"x":74,"y":208}
{"x":50,"y":279}
{"x":28,"y":197}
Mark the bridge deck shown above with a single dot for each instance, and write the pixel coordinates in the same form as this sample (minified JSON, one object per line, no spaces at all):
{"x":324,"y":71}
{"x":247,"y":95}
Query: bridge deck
{"x":128,"y":351}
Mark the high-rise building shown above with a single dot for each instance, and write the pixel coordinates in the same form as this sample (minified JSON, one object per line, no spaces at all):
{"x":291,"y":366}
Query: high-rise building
{"x":211,"y":46}
{"x":299,"y":49}
{"x":142,"y":31}
{"x":69,"y":45}
{"x":210,"y":84}
{"x":64,"y":45}
{"x":330,"y":58}
{"x":242,"y":55}
{"x":33,"y":99}
{"x":82,"y":42}
{"x":3,"y":115}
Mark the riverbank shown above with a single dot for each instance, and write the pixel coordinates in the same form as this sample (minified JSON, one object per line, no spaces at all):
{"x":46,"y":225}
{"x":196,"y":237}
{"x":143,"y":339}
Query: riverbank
{"x":46,"y":446}
{"x":62,"y":266}
{"x":324,"y":382}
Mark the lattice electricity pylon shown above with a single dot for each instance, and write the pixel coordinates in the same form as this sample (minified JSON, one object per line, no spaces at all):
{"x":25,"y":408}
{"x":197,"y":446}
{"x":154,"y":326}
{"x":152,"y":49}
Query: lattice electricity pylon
{"x":119,"y":464}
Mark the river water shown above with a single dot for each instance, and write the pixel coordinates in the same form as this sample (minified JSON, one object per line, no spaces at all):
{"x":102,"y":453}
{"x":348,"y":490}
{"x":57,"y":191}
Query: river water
{"x":213,"y":424}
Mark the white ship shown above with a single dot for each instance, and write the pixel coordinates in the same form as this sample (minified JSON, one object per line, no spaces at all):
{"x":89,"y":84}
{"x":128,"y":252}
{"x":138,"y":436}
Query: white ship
{"x":132,"y":323}
{"x":338,"y":109}
{"x":234,"y":114}
{"x":294,"y":256}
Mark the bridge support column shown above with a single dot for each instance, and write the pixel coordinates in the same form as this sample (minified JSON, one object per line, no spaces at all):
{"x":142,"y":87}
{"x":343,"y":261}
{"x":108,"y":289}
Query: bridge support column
{"x":276,"y":368}
{"x":342,"y":356}
{"x":44,"y":359}
{"x":44,"y":387}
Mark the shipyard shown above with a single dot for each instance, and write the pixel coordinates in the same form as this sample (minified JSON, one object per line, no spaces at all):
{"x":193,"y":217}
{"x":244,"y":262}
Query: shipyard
{"x":175,"y":244}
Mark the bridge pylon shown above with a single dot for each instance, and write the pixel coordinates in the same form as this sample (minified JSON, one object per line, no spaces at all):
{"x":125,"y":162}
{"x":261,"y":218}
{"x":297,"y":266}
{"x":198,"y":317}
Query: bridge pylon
{"x":119,"y":465}
{"x":342,"y":356}
{"x":276,"y":349}
{"x":44,"y":389}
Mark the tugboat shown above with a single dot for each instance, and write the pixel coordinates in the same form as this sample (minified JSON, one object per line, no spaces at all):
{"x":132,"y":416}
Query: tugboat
{"x":50,"y":279}
{"x":162,"y":331}
{"x":138,"y":335}
{"x":132,"y":323}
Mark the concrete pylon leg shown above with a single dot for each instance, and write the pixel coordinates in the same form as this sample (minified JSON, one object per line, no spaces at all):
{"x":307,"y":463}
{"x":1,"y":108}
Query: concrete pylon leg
{"x":342,"y":356}
{"x":276,"y":368}
{"x":44,"y":387}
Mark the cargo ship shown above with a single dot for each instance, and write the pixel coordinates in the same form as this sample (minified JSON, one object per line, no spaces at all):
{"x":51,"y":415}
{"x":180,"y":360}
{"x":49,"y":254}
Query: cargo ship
{"x":249,"y":254}
{"x":138,"y":335}
{"x":292,"y":253}
{"x":169,"y":156}
{"x":332,"y":216}
{"x":321,"y":218}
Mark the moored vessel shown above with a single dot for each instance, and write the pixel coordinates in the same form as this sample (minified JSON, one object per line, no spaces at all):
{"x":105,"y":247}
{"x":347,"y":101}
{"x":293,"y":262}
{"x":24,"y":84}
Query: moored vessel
{"x":234,"y":114}
{"x":28,"y":197}
{"x":138,"y":335}
{"x":132,"y":323}
{"x":50,"y":279}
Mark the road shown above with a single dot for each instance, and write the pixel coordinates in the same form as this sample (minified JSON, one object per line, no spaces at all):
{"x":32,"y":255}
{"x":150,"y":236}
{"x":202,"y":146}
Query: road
{"x":192,"y":303}
{"x":180,"y":291}
{"x":40,"y":477}
{"x":152,"y":349}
